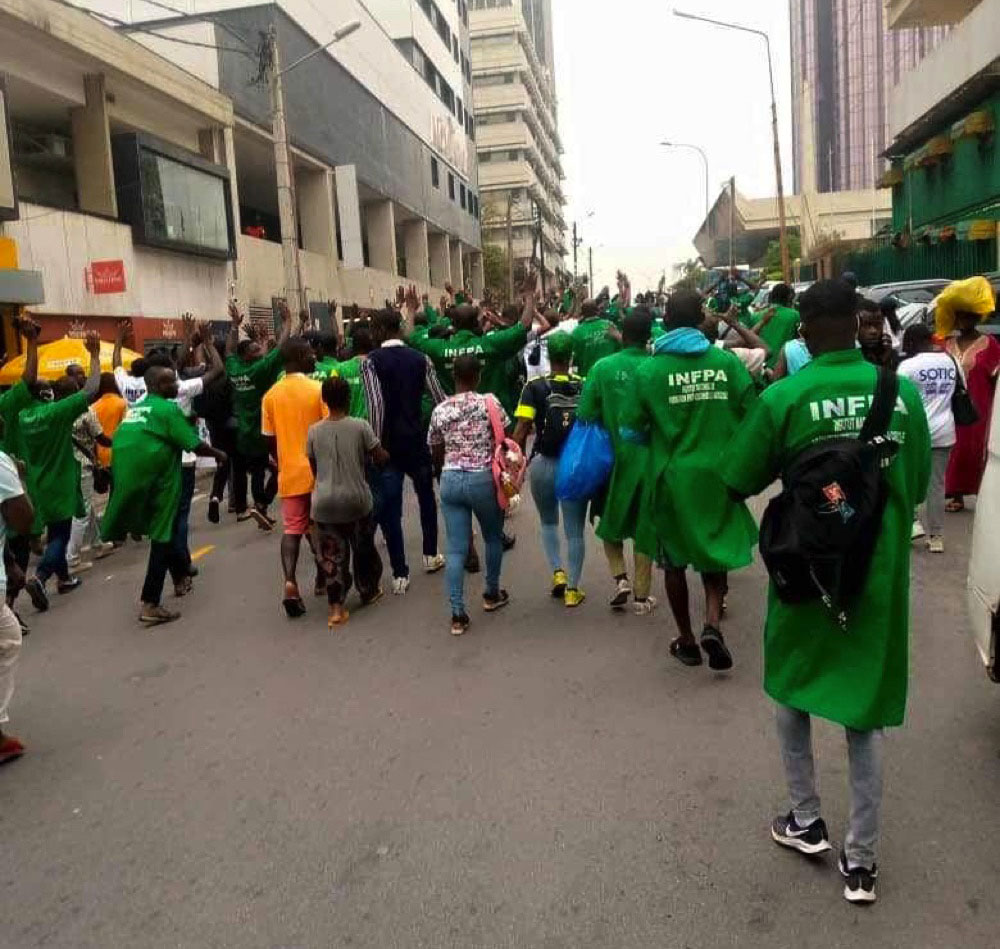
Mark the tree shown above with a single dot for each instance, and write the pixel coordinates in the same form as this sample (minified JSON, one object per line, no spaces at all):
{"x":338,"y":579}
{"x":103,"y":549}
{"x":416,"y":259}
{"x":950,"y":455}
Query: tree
{"x":692,"y":276}
{"x":770,"y":263}
{"x":495,"y":270}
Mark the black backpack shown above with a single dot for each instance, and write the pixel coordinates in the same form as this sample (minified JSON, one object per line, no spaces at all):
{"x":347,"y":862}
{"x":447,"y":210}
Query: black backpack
{"x":818,"y":535}
{"x":560,"y":414}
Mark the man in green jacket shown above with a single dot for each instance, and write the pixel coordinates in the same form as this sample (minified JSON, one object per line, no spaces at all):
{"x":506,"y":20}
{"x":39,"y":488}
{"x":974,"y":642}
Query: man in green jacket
{"x":591,"y":338}
{"x":857,"y":679}
{"x":610,"y":387}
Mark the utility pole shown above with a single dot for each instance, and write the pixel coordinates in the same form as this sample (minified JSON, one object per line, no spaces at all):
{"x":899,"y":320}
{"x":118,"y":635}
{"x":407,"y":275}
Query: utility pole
{"x":541,"y":248}
{"x":290,"y":259}
{"x":732,"y":219}
{"x":590,"y":288}
{"x":510,"y":247}
{"x":576,"y":244}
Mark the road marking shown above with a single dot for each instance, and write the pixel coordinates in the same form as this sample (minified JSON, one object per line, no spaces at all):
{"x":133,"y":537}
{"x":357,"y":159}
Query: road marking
{"x":202,"y":552}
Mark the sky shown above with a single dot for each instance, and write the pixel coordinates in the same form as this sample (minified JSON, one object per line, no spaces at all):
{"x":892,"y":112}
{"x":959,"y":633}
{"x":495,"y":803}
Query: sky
{"x":626,"y":82}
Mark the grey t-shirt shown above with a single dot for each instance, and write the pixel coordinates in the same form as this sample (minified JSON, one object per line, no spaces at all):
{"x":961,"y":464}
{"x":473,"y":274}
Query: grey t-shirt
{"x":339,"y":449}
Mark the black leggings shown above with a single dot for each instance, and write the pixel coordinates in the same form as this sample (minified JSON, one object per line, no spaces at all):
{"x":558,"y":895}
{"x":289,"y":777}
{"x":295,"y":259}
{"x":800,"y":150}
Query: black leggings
{"x":163,"y":557}
{"x":263,"y":485}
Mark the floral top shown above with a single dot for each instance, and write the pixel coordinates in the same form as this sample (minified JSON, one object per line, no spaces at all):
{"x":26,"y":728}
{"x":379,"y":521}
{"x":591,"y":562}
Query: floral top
{"x":462,"y":424}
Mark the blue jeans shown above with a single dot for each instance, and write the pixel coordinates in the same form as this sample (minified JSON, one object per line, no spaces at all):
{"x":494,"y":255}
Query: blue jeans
{"x":182,"y":554}
{"x":390,"y":509}
{"x":54,"y":559}
{"x":464,"y":493}
{"x":574,"y":517}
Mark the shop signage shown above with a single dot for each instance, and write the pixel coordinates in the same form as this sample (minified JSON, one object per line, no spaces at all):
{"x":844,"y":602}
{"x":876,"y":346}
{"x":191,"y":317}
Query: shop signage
{"x":105,"y":276}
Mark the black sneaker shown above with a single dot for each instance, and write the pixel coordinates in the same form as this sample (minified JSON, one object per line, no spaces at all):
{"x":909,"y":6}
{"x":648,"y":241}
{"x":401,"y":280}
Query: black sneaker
{"x":213,"y":510}
{"x":495,"y":601}
{"x":860,"y":885}
{"x":508,"y":541}
{"x":623,"y":590}
{"x":811,"y":840}
{"x":36,"y":593}
{"x":719,"y":657}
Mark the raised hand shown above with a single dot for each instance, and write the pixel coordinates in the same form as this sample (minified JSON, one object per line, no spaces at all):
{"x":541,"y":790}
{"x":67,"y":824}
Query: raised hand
{"x":188,"y":326}
{"x":27,"y":327}
{"x":92,"y":342}
{"x":412,"y":298}
{"x":234,"y":313}
{"x":400,"y":296}
{"x":123,"y":331}
{"x":331,"y":306}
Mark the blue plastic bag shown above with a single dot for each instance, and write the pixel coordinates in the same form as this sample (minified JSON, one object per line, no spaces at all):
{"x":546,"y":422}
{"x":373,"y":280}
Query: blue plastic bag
{"x":585,"y":463}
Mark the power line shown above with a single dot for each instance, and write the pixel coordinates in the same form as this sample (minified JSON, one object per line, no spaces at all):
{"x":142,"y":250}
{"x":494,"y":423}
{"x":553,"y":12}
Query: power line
{"x":202,"y":16}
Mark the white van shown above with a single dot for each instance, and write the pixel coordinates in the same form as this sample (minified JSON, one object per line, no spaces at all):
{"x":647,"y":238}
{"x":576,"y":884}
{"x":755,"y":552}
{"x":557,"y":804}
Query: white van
{"x":984,"y":563}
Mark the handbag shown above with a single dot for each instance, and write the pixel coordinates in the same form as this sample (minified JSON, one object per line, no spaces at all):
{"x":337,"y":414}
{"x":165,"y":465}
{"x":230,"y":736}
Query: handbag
{"x":508,"y":459}
{"x":962,"y":406}
{"x":585,"y":463}
{"x":102,"y":479}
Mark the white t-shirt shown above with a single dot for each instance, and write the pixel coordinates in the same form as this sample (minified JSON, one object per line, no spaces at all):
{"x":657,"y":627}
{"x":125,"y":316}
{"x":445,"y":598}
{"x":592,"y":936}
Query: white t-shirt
{"x":132,"y":388}
{"x":187,"y":391}
{"x":753,"y":359}
{"x":10,"y":487}
{"x":934,"y":374}
{"x":543,"y":368}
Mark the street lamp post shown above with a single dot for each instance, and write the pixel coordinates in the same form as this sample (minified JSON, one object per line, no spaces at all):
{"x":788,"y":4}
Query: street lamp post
{"x":786,"y":264}
{"x":287,"y":217}
{"x":704,"y":160}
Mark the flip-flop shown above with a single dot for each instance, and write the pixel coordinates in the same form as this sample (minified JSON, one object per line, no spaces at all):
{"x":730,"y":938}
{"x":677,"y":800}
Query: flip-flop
{"x":374,"y":598}
{"x":954,"y":507}
{"x":338,"y":620}
{"x":687,"y":653}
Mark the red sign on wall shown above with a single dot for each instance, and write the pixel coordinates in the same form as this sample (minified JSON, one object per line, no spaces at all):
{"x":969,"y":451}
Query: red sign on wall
{"x":106,"y":276}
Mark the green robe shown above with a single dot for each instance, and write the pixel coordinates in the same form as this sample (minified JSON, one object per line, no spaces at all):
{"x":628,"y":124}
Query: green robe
{"x":494,"y":351}
{"x":591,"y":343}
{"x":858,"y":679}
{"x":250,"y":381}
{"x":12,"y":402}
{"x":52,"y":468}
{"x":691,"y":406}
{"x":610,"y":386}
{"x":146,"y":470}
{"x":781,"y":328}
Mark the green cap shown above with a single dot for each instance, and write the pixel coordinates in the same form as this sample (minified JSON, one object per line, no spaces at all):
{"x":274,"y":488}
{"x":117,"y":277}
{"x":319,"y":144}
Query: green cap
{"x":560,"y":346}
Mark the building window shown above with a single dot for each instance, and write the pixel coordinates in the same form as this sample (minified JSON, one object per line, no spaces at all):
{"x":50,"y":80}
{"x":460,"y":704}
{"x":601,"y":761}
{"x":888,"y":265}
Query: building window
{"x":508,"y":78}
{"x":513,"y":155}
{"x":485,"y":157}
{"x":460,"y":114}
{"x":435,"y":173}
{"x":461,"y":196}
{"x":454,"y":47}
{"x":451,"y":186}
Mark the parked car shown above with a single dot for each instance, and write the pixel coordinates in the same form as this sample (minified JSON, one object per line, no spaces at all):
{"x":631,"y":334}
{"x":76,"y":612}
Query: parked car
{"x":906,"y":291}
{"x":984,"y":562}
{"x":992,"y":325}
{"x":926,"y":313}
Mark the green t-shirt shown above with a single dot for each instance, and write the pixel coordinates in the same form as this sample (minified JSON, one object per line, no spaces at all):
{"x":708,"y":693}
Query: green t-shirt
{"x":494,"y":350}
{"x":146,"y":469}
{"x":857,"y":679}
{"x":609,"y":389}
{"x":590,"y":343}
{"x":690,"y":407}
{"x":250,"y":382}
{"x":350,"y":372}
{"x":53,"y":471}
{"x":12,"y":402}
{"x":782,"y":328}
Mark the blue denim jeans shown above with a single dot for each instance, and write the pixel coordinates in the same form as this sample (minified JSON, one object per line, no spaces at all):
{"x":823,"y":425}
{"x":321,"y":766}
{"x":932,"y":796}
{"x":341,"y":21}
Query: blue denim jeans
{"x":574,"y":519}
{"x":390,"y":509}
{"x":464,"y":493}
{"x":54,"y":559}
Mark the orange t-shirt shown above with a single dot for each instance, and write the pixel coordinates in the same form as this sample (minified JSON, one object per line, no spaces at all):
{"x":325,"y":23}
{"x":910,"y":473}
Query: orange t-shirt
{"x":288,"y":409}
{"x":110,"y":409}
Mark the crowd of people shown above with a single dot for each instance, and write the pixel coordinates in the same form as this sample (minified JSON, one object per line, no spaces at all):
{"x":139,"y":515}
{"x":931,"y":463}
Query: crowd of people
{"x":704,"y":404}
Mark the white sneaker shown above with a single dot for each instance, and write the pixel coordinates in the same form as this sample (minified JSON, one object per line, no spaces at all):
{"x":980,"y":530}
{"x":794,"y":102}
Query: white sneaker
{"x":433,"y":564}
{"x":645,"y":607}
{"x":400,"y":585}
{"x":918,"y":531}
{"x":79,"y":566}
{"x":935,"y":544}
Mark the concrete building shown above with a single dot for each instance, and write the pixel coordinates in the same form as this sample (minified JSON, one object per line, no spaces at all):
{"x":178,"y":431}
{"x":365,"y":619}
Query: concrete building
{"x":383,"y":158}
{"x":516,"y":113}
{"x":844,"y":62}
{"x":944,"y":116}
{"x":753,"y":222}
{"x":117,"y":169}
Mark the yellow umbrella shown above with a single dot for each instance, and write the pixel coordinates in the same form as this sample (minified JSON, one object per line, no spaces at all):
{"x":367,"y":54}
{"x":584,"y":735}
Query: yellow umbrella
{"x":53,"y":358}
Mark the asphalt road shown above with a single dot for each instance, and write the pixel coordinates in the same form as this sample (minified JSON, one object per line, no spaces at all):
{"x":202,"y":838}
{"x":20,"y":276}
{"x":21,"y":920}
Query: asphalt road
{"x":553,"y":779}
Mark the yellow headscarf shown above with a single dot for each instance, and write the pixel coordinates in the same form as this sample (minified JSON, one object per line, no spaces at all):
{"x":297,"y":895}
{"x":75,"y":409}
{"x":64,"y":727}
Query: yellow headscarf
{"x":974,"y":295}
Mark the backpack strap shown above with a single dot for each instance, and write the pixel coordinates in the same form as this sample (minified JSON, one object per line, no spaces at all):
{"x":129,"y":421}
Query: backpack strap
{"x":493,"y":412}
{"x":879,"y":416}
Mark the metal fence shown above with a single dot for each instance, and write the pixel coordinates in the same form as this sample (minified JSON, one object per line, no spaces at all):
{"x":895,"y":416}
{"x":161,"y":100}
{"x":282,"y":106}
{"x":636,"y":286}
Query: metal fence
{"x":953,"y":260}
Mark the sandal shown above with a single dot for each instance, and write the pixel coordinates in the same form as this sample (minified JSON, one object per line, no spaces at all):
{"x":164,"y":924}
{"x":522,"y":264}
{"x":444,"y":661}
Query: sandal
{"x":954,"y":506}
{"x":719,"y":657}
{"x":338,"y":619}
{"x":687,"y":653}
{"x":292,"y":602}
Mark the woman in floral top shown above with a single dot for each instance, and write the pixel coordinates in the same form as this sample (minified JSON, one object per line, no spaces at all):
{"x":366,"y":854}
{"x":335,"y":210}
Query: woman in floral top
{"x":462,"y":443}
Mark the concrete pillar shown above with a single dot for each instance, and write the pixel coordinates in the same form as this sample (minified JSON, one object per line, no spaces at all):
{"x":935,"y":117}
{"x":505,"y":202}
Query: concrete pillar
{"x":216,"y":145}
{"x":457,"y":270}
{"x":95,"y":177}
{"x":417,"y":251}
{"x":381,"y":219}
{"x":477,"y":274}
{"x":314,"y":188}
{"x":349,"y":217}
{"x":440,"y":260}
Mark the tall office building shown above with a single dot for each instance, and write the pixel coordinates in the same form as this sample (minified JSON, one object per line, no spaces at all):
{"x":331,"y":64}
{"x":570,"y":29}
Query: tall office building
{"x":517,"y":136}
{"x":846,"y":60}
